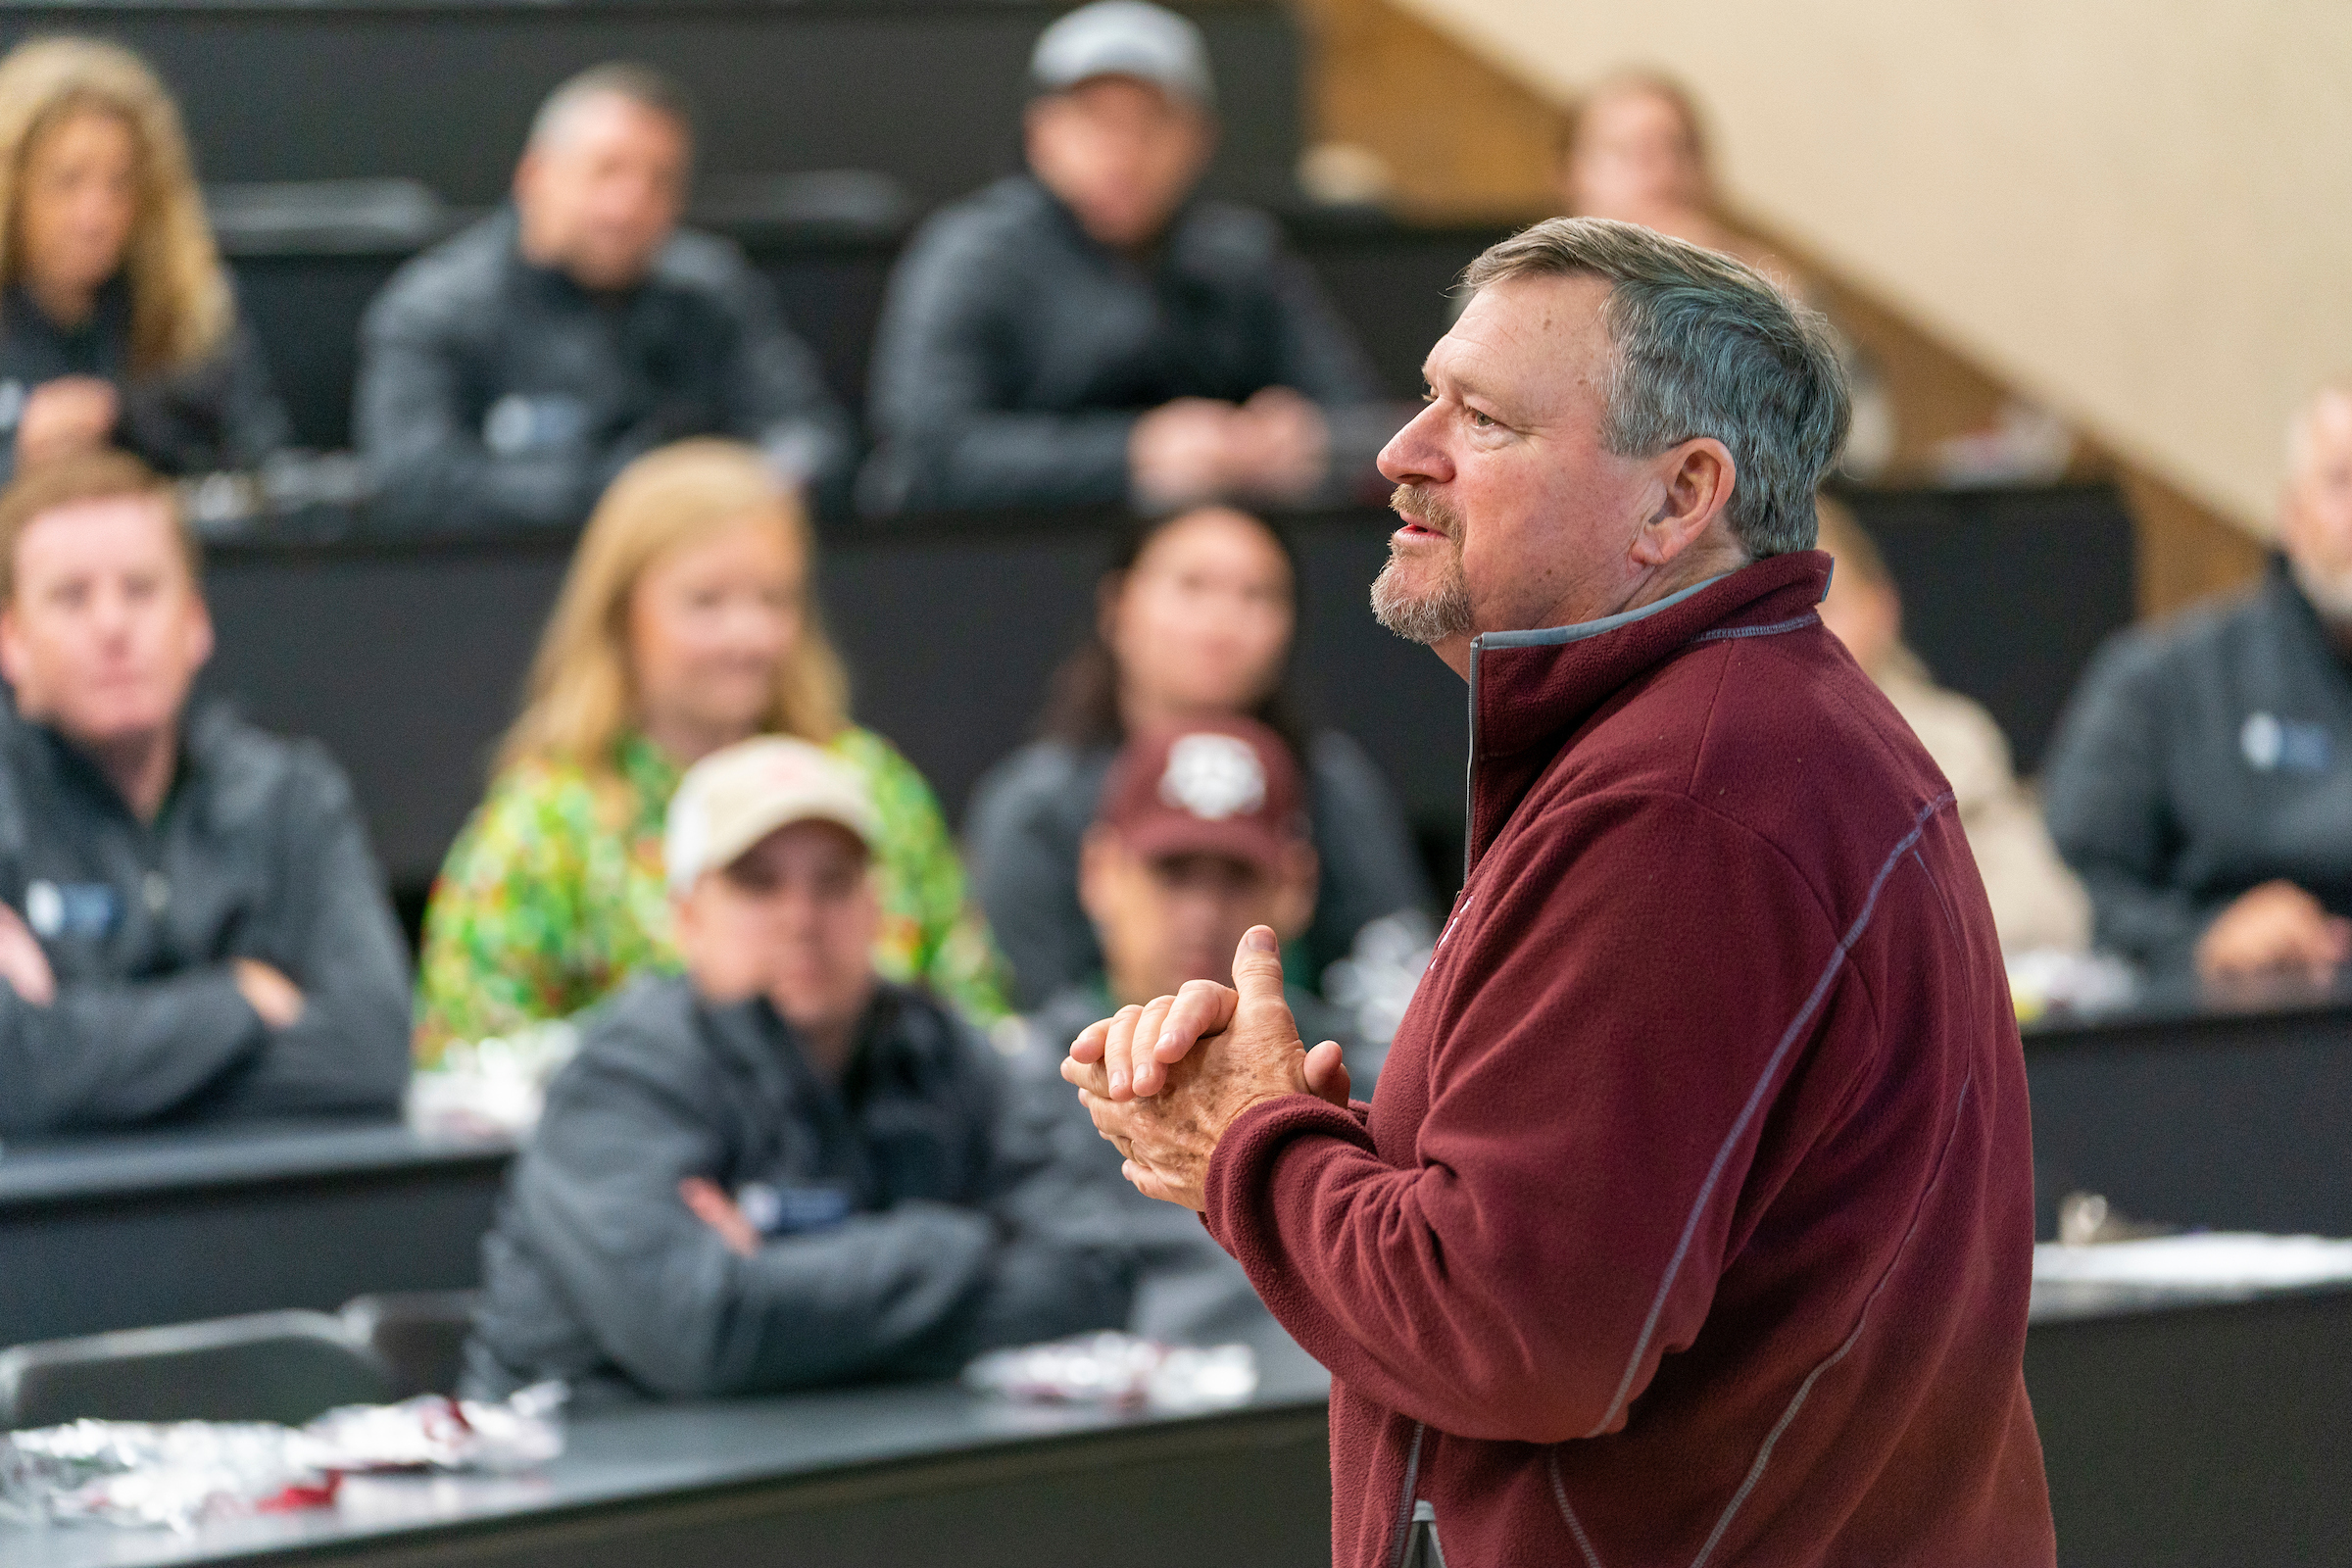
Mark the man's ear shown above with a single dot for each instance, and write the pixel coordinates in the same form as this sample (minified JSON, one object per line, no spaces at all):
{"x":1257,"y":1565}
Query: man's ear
{"x":200,"y":634}
{"x":1694,"y":493}
{"x":1098,"y":857}
{"x":1295,"y":900}
{"x":11,"y":646}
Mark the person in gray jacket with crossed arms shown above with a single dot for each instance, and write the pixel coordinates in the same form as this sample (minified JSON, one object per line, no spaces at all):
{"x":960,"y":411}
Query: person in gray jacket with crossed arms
{"x":192,"y":925}
{"x":776,"y":1171}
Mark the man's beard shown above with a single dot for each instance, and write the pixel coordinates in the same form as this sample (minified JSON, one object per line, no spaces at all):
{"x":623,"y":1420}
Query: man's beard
{"x":1437,"y":614}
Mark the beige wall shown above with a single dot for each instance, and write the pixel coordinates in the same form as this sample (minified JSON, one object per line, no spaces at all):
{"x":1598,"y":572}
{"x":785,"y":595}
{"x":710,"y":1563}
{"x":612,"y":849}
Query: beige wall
{"x":2137,"y":211}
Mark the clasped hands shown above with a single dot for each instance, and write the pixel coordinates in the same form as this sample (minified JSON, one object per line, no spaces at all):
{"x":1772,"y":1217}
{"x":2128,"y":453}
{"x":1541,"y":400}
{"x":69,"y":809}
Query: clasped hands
{"x":1164,"y":1080}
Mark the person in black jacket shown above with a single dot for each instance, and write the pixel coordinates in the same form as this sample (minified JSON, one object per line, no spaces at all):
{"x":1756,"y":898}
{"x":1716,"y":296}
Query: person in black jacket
{"x":118,"y":326}
{"x":191,"y":922}
{"x":508,"y":375}
{"x":2201,"y":780}
{"x":776,"y":1171}
{"x":1090,"y":332}
{"x":1194,"y":619}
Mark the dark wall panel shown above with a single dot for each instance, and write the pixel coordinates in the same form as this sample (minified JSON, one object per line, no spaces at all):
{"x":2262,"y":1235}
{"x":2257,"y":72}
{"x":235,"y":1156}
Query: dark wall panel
{"x":930,"y":94}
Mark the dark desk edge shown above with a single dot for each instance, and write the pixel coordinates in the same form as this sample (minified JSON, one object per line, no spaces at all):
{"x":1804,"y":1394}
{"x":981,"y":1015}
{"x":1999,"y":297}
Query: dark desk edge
{"x":2178,"y":1009}
{"x":35,"y":1175}
{"x":332,"y":532}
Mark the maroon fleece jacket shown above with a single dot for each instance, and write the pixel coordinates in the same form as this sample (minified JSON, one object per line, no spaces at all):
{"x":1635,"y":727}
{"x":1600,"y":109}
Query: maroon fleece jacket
{"x":1692,"y":1220}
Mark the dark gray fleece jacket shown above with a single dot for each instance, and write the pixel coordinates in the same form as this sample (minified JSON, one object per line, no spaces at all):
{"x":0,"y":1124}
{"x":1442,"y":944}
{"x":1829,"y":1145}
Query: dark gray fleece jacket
{"x":2201,"y":758}
{"x":258,"y":853}
{"x":911,"y":1213}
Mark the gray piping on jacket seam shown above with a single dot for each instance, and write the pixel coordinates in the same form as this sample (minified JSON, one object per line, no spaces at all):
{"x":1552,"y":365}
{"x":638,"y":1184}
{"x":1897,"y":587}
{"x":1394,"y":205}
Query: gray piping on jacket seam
{"x":1721,"y":633}
{"x":1559,"y":1494}
{"x":1578,"y":631}
{"x":1755,"y":1100}
{"x":1755,"y":1472}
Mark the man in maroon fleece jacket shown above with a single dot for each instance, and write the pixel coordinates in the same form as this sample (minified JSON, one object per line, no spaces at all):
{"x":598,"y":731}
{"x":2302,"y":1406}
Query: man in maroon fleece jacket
{"x":1692,"y":1222}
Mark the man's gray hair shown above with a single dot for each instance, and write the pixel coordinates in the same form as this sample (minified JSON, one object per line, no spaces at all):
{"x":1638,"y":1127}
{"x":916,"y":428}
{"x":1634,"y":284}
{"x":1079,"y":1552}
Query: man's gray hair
{"x":640,"y":84}
{"x":1705,"y":346}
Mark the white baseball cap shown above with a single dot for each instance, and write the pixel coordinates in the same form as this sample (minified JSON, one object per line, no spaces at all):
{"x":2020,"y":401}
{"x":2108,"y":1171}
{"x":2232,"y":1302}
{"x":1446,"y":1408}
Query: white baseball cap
{"x":740,"y":794}
{"x":1125,"y":38}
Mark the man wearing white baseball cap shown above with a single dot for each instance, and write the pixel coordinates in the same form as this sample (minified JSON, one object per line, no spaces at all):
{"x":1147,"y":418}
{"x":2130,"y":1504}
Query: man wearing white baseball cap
{"x":776,"y":1170}
{"x":1091,"y":332}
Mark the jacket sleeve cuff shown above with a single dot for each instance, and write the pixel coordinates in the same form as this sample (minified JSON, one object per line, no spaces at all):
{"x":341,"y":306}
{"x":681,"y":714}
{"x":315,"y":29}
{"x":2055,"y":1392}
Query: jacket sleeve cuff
{"x":1243,"y":1167}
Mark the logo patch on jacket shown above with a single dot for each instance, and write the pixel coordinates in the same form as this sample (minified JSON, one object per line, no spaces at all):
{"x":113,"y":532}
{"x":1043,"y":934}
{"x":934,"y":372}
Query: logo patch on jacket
{"x":2274,"y":745}
{"x":72,"y":911}
{"x":790,"y":1211}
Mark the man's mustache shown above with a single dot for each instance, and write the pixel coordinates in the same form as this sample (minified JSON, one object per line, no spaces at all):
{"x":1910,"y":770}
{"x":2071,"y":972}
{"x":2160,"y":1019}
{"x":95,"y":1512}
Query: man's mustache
{"x":1425,"y":506}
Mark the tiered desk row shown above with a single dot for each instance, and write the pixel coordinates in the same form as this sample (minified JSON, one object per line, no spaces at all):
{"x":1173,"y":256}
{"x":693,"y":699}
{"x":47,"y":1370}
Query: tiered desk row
{"x":2178,"y":1429}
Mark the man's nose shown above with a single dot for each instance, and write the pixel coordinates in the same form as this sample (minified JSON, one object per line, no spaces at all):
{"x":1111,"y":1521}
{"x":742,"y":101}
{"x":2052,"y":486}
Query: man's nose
{"x":1414,"y":455}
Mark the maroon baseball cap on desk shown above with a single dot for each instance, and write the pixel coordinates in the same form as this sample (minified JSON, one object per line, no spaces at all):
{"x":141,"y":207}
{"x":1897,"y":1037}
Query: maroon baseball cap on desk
{"x":1222,"y":786}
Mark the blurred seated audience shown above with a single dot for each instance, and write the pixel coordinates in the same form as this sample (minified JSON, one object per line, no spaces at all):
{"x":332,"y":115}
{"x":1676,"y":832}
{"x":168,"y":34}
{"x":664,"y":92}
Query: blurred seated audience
{"x":2201,"y":781}
{"x":1092,"y":333}
{"x":507,"y":375}
{"x":777,"y":1171}
{"x":191,"y":922}
{"x":2037,"y":902}
{"x":117,"y":324}
{"x":684,"y":625}
{"x":1194,"y":623}
{"x":1200,"y":836}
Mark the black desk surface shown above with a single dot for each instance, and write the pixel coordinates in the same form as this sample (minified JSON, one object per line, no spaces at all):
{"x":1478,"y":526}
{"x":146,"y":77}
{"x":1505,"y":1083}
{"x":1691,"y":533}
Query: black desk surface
{"x":926,"y":1435}
{"x":40,"y":1172}
{"x":2223,"y":1109}
{"x":175,"y":1225}
{"x":931,"y":1473}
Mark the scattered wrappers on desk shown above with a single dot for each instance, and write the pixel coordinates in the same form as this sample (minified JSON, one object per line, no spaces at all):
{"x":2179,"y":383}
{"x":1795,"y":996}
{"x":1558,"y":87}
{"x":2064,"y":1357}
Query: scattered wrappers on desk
{"x":175,"y":1475}
{"x":1119,"y":1369}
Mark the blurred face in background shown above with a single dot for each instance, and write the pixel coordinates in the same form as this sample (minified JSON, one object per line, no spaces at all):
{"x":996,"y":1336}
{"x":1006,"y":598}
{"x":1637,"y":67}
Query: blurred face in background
{"x":79,"y":202}
{"x":602,"y":189}
{"x":1633,"y":158}
{"x":1166,"y":921}
{"x":793,"y":918}
{"x":104,"y":631}
{"x":1122,"y":154}
{"x":1867,"y":617}
{"x":710,"y":623}
{"x":1201,"y":624}
{"x":2316,"y":522}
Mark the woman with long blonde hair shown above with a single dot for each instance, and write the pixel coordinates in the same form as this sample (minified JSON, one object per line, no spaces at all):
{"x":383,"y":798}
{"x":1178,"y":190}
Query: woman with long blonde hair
{"x":118,"y":326}
{"x":686,"y":623}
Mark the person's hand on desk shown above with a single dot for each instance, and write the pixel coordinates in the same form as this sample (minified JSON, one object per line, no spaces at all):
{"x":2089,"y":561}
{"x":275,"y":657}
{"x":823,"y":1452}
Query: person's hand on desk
{"x":1163,"y":1081}
{"x":23,"y":964}
{"x":267,"y":992}
{"x":2273,"y":928}
{"x":72,"y":413}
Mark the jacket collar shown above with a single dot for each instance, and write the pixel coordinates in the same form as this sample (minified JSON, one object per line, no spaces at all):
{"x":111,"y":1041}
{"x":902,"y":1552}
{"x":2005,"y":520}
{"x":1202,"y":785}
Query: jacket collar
{"x":1532,"y":691}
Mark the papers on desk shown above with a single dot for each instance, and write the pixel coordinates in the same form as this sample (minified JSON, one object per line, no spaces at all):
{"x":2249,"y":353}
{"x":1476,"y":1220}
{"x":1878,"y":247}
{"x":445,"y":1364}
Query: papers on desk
{"x":2221,"y":1260}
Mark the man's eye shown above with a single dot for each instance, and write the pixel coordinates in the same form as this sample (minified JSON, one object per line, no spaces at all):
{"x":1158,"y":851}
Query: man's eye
{"x":1480,"y":421}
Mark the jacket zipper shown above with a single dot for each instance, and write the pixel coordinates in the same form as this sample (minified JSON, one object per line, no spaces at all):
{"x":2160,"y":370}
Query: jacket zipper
{"x":1412,"y":1457}
{"x":1470,"y":769}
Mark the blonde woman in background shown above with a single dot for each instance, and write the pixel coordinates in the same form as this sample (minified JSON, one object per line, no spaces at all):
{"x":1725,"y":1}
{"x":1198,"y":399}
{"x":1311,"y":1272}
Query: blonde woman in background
{"x":685,"y":625}
{"x":117,"y":324}
{"x":2037,"y":902}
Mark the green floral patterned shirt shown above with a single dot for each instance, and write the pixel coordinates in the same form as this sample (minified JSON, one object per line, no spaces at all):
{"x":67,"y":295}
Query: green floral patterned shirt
{"x":554,"y":895}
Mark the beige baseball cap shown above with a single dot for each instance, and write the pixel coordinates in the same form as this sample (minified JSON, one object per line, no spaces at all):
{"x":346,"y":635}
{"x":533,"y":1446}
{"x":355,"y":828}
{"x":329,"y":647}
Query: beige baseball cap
{"x":740,"y":794}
